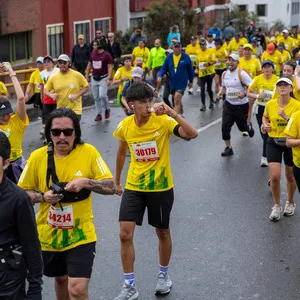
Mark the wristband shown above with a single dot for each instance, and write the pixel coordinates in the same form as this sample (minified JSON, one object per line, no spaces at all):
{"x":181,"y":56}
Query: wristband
{"x":12,"y":75}
{"x":27,"y":94}
{"x":43,"y":198}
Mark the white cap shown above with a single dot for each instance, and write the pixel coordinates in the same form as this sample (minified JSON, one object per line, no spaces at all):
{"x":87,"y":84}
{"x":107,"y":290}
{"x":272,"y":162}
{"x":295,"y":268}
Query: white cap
{"x":285,"y":79}
{"x":40,"y":59}
{"x":64,"y":57}
{"x":234,"y":56}
{"x":137,"y":72}
{"x":285,"y":31}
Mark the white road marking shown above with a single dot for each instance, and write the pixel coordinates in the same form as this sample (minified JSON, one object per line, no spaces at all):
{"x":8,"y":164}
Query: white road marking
{"x":209,"y":125}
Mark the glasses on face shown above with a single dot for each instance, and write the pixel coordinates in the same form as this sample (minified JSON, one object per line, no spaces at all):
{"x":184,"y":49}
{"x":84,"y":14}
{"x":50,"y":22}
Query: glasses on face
{"x":66,"y":132}
{"x":47,"y":60}
{"x":62,"y":62}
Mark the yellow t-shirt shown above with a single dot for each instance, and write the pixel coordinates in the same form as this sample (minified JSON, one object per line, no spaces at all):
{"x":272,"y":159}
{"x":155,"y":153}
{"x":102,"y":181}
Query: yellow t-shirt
{"x":15,"y":130}
{"x":289,"y":42}
{"x":35,"y":80}
{"x":277,"y":123}
{"x":293,"y":129}
{"x":122,"y":72}
{"x":233,"y":46}
{"x":260,"y":83}
{"x":207,"y":56}
{"x":220,"y":54}
{"x":176,"y":59}
{"x":254,"y":52}
{"x":251,"y":66}
{"x":67,"y":84}
{"x":286,"y":56}
{"x":83,"y":162}
{"x":191,"y":51}
{"x":276,"y":58}
{"x":140,"y":56}
{"x":3,"y":89}
{"x":149,"y":145}
{"x":244,"y":40}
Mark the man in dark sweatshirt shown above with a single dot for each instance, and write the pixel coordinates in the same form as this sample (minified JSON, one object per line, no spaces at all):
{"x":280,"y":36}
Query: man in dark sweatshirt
{"x":20,"y":253}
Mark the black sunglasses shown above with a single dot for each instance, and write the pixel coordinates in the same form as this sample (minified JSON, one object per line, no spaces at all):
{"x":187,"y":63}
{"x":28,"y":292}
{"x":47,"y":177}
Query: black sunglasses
{"x":66,"y":132}
{"x":62,"y":62}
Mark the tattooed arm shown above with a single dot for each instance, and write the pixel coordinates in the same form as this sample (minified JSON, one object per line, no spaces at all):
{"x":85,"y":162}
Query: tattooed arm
{"x":104,"y":187}
{"x":35,"y":196}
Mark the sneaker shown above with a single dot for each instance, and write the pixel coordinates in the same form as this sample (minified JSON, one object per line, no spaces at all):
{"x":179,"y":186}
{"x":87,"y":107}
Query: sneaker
{"x":198,"y":90}
{"x":275,"y":214}
{"x":245,"y":133}
{"x":190,"y":92}
{"x":263,"y":162}
{"x":227,"y":151}
{"x":128,"y":292}
{"x":211,"y":105}
{"x":164,"y":284}
{"x":203,"y":108}
{"x":98,"y":117}
{"x":107,"y":113}
{"x":251,"y":130}
{"x":289,"y":209}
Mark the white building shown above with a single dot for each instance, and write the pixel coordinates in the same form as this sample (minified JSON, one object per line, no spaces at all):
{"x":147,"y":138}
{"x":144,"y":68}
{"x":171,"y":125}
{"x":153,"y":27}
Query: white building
{"x":288,"y":11}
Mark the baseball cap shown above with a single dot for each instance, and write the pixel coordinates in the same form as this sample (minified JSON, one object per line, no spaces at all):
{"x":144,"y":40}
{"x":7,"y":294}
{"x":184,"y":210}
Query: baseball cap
{"x":64,"y":57}
{"x":284,"y":79}
{"x":281,"y":44}
{"x":251,"y":23}
{"x":267,"y":62}
{"x":203,"y":42}
{"x":137,"y":72}
{"x":5,"y":108}
{"x":48,"y":57}
{"x":285,"y":31}
{"x":209,"y":35}
{"x":177,"y":44}
{"x":80,"y":36}
{"x":254,"y":39}
{"x":234,"y":56}
{"x":270,"y":48}
{"x":40,"y":59}
{"x":248,"y":46}
{"x":237,"y":35}
{"x":193,"y":38}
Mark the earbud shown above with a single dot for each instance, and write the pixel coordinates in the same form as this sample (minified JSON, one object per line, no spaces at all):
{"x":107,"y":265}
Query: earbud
{"x":132,"y":106}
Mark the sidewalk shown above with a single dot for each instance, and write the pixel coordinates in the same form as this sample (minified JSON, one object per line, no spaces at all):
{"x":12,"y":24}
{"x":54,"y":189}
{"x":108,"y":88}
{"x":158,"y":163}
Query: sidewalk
{"x":87,"y":100}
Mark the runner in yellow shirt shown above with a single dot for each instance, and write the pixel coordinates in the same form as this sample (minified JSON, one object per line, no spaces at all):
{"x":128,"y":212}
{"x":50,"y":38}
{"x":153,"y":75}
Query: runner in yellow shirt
{"x":286,"y":56}
{"x":276,"y":116}
{"x":220,"y":65}
{"x":140,"y":55}
{"x":206,"y":59}
{"x":14,"y":125}
{"x":273,"y":55}
{"x":288,"y":41}
{"x":248,"y":63}
{"x":263,"y":85}
{"x":234,"y":44}
{"x":123,"y":75}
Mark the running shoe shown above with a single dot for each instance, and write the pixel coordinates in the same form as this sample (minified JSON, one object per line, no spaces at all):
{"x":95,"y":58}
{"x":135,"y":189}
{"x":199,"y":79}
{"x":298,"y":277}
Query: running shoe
{"x":289,"y":209}
{"x":107,"y":113}
{"x":275,"y":214}
{"x":251,"y":130}
{"x":227,"y":151}
{"x":98,"y":117}
{"x":164,"y":284}
{"x":190,"y":92}
{"x":245,"y":133}
{"x":211,"y":105}
{"x":263,"y":162}
{"x":203,"y":108}
{"x":198,"y":90}
{"x":128,"y":292}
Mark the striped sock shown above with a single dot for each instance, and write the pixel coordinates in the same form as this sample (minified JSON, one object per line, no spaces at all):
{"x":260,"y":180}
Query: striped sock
{"x":129,"y":278}
{"x":163,"y":269}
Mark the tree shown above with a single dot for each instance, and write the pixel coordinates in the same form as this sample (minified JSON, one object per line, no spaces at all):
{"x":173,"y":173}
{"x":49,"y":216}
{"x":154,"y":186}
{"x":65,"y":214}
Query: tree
{"x":123,"y":38}
{"x":278,"y":25}
{"x":163,"y":15}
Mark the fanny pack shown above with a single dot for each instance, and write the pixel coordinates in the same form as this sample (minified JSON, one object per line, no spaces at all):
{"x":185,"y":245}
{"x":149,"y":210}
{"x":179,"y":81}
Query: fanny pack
{"x":99,"y":77}
{"x":280,"y":141}
{"x":51,"y":172}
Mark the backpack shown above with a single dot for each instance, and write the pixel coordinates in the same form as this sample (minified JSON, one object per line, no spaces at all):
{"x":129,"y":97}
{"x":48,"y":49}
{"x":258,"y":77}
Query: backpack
{"x":239,"y":75}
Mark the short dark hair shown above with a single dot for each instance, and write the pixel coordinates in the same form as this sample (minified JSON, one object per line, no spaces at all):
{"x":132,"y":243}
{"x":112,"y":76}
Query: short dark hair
{"x":64,"y":113}
{"x":291,"y":63}
{"x":4,"y":146}
{"x":139,"y":91}
{"x":230,"y":23}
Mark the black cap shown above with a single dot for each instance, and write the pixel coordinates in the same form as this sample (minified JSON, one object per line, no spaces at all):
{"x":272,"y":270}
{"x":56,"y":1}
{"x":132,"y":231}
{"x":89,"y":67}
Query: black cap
{"x":193,"y":38}
{"x":177,"y":44}
{"x":5,"y":108}
{"x":209,"y":35}
{"x":218,"y":41}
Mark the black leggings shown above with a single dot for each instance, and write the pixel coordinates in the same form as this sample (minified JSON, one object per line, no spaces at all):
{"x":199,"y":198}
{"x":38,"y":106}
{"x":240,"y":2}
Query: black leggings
{"x":264,"y":136}
{"x":208,"y":80}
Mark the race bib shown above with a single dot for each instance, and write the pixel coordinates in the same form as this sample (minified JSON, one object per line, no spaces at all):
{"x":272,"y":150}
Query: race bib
{"x":61,"y":219}
{"x":145,"y":151}
{"x":214,"y":36}
{"x":233,"y":94}
{"x":193,"y":59}
{"x":201,"y":66}
{"x":217,"y":63}
{"x":267,"y":95}
{"x":286,"y":46}
{"x":97,"y":64}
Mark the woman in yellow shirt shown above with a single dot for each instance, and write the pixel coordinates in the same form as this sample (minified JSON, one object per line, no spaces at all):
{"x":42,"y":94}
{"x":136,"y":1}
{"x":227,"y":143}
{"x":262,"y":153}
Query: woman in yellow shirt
{"x":263,"y":85}
{"x":140,"y":55}
{"x":276,"y":116}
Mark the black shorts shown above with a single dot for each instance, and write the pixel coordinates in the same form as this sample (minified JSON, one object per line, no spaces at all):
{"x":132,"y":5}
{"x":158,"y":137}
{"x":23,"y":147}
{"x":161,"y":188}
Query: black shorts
{"x":159,"y":205}
{"x":76,"y":262}
{"x":220,"y":71}
{"x":274,"y":153}
{"x":180,"y":91}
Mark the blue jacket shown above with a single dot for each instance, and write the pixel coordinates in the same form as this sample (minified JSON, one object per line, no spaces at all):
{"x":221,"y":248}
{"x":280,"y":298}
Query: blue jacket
{"x":185,"y":72}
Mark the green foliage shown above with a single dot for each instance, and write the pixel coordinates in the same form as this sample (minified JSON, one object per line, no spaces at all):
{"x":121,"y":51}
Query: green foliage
{"x":123,"y":38}
{"x":163,"y":15}
{"x":278,"y":25}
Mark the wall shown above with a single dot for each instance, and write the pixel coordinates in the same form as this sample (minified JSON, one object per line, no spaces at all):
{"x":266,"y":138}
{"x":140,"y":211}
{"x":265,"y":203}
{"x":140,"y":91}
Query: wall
{"x":122,"y":14}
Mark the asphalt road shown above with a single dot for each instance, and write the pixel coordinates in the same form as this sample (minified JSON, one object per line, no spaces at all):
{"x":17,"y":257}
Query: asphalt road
{"x":224,"y":245}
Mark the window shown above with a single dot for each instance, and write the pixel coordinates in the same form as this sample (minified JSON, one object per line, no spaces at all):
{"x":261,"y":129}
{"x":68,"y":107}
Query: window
{"x":243,"y":7}
{"x":82,"y":27}
{"x":295,"y":8}
{"x":55,"y":40}
{"x":102,"y":24}
{"x":16,"y":48}
{"x":261,"y":10}
{"x":136,"y":22}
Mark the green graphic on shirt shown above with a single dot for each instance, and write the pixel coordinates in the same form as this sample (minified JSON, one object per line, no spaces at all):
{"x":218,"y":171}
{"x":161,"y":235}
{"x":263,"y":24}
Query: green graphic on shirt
{"x":155,"y":183}
{"x":76,"y":236}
